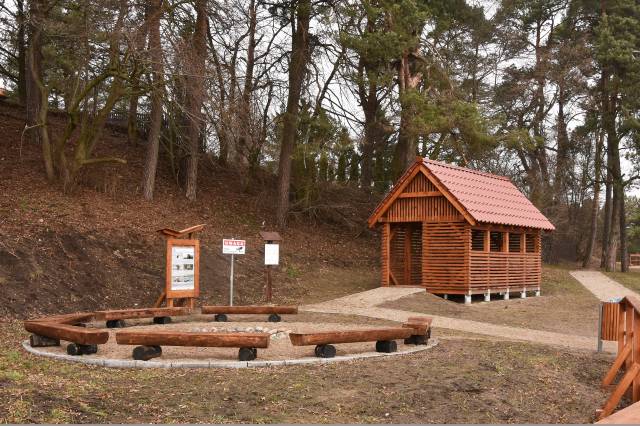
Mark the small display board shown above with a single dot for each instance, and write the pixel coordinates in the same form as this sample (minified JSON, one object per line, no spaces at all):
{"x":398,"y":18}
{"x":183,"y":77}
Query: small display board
{"x":183,"y":268}
{"x":232,"y":246}
{"x":271,"y":254}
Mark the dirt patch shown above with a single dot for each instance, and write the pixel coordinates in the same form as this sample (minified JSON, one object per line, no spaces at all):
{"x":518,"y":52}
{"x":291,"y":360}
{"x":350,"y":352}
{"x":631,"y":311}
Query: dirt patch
{"x":564,"y":307}
{"x":458,"y":381}
{"x":97,"y":246}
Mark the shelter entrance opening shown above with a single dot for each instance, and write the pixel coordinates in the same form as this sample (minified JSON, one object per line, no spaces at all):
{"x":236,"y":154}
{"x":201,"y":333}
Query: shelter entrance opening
{"x":406,"y":253}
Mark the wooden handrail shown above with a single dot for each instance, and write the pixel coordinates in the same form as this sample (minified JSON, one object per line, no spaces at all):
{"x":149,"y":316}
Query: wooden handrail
{"x":628,"y":358}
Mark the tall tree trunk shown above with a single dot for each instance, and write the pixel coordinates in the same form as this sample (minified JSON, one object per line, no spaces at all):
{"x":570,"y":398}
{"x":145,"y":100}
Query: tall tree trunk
{"x":606,"y":230}
{"x":248,"y":139}
{"x":613,"y":154}
{"x":36,"y":92}
{"x":368,"y":95}
{"x":595,"y":206}
{"x":408,"y":82}
{"x":562,"y":157}
{"x":157,"y":76}
{"x":297,"y":72}
{"x":22,"y":52}
{"x":195,"y":95}
{"x":624,"y":249}
{"x":136,"y":74}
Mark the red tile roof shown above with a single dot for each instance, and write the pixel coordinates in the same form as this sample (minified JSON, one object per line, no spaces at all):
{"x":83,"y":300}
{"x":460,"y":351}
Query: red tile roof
{"x":489,"y":198}
{"x":486,"y":197}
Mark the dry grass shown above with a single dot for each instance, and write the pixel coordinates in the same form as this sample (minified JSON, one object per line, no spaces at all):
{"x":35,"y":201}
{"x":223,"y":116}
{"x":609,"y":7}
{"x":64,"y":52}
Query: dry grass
{"x":459,"y":381}
{"x":565,"y":307}
{"x":630,"y":279}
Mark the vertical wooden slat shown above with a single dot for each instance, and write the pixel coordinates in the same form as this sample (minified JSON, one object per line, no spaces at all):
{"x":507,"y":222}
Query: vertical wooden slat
{"x":635,"y":341}
{"x":407,"y":255}
{"x":385,"y":253}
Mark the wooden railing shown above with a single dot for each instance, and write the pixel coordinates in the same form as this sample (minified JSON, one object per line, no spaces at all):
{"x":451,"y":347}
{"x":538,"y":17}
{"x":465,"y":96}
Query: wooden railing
{"x":634,"y":259}
{"x":628,"y":359}
{"x":508,"y":270}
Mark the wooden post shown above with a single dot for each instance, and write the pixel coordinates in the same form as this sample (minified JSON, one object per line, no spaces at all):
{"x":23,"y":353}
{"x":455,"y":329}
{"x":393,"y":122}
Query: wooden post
{"x":629,"y":333}
{"x":635,"y":342}
{"x":269,"y":238}
{"x":268,"y":289}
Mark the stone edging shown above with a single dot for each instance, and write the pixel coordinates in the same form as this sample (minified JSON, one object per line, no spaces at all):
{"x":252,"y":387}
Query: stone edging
{"x":123,"y":363}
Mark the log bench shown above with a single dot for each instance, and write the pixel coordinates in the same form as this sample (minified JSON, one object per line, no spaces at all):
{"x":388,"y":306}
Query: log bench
{"x":84,"y":341}
{"x":274,"y":312}
{"x":115,"y":318}
{"x":416,"y":332}
{"x":77,"y":318}
{"x":151,"y":342}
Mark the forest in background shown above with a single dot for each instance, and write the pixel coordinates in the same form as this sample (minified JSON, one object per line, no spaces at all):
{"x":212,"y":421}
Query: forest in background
{"x":329,"y":93}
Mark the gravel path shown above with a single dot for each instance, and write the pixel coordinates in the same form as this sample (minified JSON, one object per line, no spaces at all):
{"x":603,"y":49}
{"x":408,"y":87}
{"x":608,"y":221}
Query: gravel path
{"x":365,"y":304}
{"x":603,"y":287}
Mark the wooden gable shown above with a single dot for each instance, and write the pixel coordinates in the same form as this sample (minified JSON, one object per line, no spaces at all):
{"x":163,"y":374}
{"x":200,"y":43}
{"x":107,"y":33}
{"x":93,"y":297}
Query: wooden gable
{"x":419,"y":198}
{"x":422,"y":201}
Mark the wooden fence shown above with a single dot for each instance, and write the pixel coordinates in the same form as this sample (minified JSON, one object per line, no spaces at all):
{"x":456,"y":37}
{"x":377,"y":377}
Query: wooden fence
{"x":119,"y":118}
{"x":634,"y":259}
{"x":625,"y":324}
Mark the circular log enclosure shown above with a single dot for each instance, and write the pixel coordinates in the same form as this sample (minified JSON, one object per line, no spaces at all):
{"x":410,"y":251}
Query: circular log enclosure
{"x":49,"y":331}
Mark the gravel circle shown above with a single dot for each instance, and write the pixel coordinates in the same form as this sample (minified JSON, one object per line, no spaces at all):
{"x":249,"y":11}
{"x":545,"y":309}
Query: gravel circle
{"x":279,"y":352}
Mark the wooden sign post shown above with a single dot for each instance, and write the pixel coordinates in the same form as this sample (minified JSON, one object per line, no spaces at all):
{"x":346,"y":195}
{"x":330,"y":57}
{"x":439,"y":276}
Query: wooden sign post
{"x":182,"y":266}
{"x":271,"y":257}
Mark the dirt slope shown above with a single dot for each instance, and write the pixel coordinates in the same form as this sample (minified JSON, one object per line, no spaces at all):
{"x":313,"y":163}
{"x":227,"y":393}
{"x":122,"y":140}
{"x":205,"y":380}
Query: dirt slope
{"x":97,"y":246}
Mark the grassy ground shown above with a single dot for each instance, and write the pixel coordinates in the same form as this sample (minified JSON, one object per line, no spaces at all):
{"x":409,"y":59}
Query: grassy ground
{"x":630,"y":279}
{"x":565,"y":307}
{"x":488,"y":381}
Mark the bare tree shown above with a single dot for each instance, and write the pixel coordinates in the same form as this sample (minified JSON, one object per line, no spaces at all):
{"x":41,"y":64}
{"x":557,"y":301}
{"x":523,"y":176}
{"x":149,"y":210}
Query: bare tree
{"x":157,"y":90}
{"x":300,"y":46}
{"x":195,"y":94}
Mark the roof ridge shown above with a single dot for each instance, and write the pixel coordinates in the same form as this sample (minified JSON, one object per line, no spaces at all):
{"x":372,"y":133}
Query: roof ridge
{"x":465,"y":169}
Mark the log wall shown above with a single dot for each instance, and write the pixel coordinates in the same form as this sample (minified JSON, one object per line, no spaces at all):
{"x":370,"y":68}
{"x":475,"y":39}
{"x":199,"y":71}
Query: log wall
{"x":445,"y":265}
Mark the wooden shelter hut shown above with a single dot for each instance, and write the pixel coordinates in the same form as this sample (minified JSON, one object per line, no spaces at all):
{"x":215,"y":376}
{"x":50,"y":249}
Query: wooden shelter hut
{"x":454,"y":230}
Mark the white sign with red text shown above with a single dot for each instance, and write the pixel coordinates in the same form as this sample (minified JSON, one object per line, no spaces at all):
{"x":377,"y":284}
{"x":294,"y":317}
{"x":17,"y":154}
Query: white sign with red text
{"x":233,"y":246}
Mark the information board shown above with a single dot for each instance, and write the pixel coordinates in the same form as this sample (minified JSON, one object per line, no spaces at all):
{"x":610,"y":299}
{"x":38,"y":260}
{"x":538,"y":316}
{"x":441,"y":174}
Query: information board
{"x":271,"y":254}
{"x":182,"y":268}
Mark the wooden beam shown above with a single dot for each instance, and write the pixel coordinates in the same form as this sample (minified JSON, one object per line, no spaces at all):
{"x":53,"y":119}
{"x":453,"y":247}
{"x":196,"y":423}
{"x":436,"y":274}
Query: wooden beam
{"x":249,"y":309}
{"x":487,"y":241}
{"x":70,"y":333}
{"x":70,"y":319}
{"x":178,"y":234}
{"x":140,"y":313}
{"x":613,"y":371}
{"x":350,"y":336}
{"x":620,"y":390}
{"x":172,"y":338}
{"x":160,"y":299}
{"x":421,"y":194}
